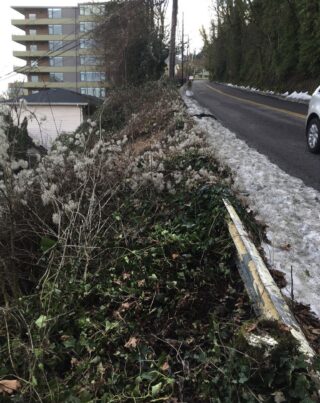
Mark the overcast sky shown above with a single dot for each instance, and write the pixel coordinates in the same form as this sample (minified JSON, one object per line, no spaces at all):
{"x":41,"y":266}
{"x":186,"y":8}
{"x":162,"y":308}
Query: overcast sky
{"x":196,"y":14}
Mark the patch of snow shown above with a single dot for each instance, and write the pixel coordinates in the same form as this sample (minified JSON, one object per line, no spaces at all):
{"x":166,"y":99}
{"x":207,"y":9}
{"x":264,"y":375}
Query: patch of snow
{"x":300,"y":95}
{"x":290,"y":209}
{"x":258,"y":340}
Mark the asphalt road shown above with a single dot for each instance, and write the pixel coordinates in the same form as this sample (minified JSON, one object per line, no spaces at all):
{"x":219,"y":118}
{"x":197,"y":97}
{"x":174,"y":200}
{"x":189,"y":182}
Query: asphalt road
{"x":273,"y":127}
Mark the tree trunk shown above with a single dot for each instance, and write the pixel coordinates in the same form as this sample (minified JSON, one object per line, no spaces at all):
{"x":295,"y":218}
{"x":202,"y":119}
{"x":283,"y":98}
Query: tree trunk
{"x":172,"y":54}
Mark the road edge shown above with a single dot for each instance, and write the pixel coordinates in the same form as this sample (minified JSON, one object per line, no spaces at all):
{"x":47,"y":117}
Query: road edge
{"x":265,"y":94}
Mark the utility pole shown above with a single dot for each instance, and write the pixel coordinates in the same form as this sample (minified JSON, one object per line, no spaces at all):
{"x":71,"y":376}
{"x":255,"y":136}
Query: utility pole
{"x":172,"y":53}
{"x":188,"y":57}
{"x":182,"y":50}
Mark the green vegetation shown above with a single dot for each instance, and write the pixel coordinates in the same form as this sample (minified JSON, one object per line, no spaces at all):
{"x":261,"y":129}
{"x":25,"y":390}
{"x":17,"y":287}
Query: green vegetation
{"x":128,"y":287}
{"x":266,"y":43}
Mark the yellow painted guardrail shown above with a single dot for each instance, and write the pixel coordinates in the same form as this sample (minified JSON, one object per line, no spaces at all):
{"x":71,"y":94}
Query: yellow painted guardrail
{"x":262,"y":289}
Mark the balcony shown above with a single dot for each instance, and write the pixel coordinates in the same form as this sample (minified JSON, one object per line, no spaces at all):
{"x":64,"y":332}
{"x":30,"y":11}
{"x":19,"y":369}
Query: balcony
{"x":83,"y":18}
{"x":42,"y":38}
{"x":53,"y":69}
{"x":47,"y":84}
{"x":26,"y":54}
{"x":20,"y":23}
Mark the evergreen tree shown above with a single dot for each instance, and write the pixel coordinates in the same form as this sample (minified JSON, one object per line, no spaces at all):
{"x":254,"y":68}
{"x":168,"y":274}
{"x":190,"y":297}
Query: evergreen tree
{"x":264,"y":42}
{"x":309,"y":49}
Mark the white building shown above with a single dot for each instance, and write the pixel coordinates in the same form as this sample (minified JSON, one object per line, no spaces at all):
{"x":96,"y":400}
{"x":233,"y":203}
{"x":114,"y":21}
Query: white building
{"x":53,"y":112}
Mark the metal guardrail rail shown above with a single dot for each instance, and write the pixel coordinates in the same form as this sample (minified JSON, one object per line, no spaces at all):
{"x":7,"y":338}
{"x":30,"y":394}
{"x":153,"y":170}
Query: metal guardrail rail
{"x":262,"y":289}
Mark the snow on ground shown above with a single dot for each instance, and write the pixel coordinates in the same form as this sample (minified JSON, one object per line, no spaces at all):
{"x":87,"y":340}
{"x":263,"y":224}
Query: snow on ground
{"x":299,"y":96}
{"x":290,"y":209}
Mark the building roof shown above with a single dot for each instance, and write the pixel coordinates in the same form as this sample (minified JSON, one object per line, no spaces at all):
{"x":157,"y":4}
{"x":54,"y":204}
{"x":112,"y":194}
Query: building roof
{"x":17,"y":8}
{"x":59,"y":96}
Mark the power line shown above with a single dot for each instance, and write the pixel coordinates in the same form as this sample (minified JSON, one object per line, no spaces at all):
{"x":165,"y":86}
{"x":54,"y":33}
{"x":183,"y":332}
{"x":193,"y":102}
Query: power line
{"x":51,"y":52}
{"x":42,"y":57}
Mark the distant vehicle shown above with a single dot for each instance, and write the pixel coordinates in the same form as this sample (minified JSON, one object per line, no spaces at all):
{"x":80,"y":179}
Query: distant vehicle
{"x":313,"y":123}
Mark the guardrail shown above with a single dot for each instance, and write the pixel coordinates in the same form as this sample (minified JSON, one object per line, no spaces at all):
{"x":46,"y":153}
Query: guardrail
{"x":262,"y":289}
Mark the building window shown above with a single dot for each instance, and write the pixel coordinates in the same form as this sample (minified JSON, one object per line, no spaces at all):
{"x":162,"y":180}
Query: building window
{"x":35,"y":79}
{"x":91,"y":61}
{"x":55,"y":29}
{"x":56,"y":61}
{"x":32,"y":16}
{"x":87,"y":26}
{"x":54,"y":12}
{"x":95,"y":92}
{"x":33,"y":48}
{"x":55,"y":45}
{"x":87,"y":43}
{"x":92,"y":9}
{"x":92,"y":76}
{"x":32,"y":32}
{"x":34,"y":63}
{"x":56,"y":77}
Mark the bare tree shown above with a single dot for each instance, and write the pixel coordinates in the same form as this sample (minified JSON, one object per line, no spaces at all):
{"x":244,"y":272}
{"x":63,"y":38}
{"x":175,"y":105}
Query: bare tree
{"x":131,"y":37}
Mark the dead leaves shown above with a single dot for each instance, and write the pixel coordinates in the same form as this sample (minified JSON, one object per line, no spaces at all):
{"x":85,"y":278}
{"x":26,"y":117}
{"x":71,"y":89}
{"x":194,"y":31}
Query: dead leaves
{"x":132,"y":343}
{"x":126,"y":305}
{"x":9,"y":386}
{"x":141,"y":283}
{"x":251,"y":327}
{"x":74,"y":362}
{"x":165,"y":367}
{"x":126,"y":276}
{"x":279,"y":277}
{"x":285,"y":246}
{"x":279,"y":397}
{"x":315,"y":331}
{"x":284,"y":328}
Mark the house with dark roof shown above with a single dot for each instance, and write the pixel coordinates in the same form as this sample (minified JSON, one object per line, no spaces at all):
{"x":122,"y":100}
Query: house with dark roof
{"x":52,"y":112}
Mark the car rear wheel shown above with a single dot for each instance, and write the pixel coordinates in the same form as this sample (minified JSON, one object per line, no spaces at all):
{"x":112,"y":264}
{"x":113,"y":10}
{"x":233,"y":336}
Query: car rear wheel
{"x":313,"y":135}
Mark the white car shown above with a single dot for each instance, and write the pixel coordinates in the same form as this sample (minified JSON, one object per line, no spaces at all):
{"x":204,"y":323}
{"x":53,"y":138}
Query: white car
{"x":313,"y":123}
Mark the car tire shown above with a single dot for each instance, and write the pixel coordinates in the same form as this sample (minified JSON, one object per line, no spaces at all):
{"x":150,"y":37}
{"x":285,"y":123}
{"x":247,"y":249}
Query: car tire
{"x":313,"y":135}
